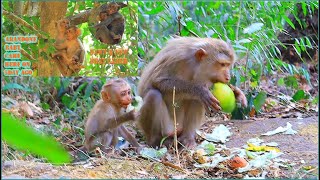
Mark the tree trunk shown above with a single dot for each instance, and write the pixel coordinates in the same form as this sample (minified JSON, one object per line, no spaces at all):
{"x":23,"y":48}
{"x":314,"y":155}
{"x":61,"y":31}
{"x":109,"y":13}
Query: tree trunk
{"x":18,"y":8}
{"x":50,"y":13}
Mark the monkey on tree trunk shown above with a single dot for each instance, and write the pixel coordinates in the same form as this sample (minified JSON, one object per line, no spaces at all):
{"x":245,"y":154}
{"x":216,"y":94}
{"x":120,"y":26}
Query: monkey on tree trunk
{"x":70,"y":52}
{"x":106,"y":118}
{"x":111,"y":26}
{"x":191,"y":65}
{"x":62,"y":25}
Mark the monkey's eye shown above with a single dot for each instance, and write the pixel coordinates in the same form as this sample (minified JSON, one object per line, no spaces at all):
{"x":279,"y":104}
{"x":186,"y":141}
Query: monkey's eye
{"x":123,"y":93}
{"x":224,"y":64}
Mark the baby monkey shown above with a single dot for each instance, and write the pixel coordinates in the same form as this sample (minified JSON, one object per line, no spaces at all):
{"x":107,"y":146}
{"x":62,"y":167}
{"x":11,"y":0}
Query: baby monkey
{"x":107,"y":116}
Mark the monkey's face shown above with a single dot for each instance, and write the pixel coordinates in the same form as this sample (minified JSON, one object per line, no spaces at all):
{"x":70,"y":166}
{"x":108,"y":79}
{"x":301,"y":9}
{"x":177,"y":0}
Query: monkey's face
{"x":112,"y":9}
{"x":103,"y":16}
{"x":63,"y":24}
{"x":224,"y":73}
{"x":124,"y":96}
{"x":217,"y":71}
{"x":72,"y":33}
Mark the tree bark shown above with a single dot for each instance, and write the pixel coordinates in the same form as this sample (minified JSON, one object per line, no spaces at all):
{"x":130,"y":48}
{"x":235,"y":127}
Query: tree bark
{"x":18,"y":8}
{"x":50,"y":13}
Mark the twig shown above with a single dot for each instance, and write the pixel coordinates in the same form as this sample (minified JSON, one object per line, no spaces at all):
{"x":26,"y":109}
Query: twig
{"x":179,"y":25}
{"x":22,"y":22}
{"x":166,"y":163}
{"x":27,"y":55}
{"x":173,"y":166}
{"x":175,"y":125}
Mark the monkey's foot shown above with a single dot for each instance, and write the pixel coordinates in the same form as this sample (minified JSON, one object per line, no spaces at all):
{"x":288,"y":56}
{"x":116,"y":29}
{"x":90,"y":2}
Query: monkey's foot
{"x":189,"y":142}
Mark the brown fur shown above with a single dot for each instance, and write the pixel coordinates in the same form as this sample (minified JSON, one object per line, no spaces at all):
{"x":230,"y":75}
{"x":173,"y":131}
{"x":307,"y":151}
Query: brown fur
{"x":106,"y":118}
{"x":70,"y":52}
{"x":111,"y":26}
{"x":191,"y":65}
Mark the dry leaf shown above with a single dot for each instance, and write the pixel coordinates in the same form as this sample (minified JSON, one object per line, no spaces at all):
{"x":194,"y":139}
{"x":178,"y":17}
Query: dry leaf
{"x":26,"y":109}
{"x":254,"y":172}
{"x":92,"y":174}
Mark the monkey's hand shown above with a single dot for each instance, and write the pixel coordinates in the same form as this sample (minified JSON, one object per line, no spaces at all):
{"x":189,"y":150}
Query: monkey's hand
{"x":239,"y":95}
{"x":57,"y":56}
{"x":209,"y":100}
{"x":132,"y":115}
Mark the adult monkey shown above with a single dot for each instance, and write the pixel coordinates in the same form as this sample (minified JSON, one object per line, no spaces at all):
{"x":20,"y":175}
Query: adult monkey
{"x":191,"y":65}
{"x":111,"y":26}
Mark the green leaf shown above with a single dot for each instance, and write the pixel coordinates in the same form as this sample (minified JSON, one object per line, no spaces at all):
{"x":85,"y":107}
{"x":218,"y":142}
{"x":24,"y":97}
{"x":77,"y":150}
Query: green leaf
{"x":45,"y":106}
{"x":15,"y":86}
{"x":315,"y":100}
{"x":259,"y":100}
{"x":302,"y":45}
{"x":243,"y":41}
{"x":156,"y":10}
{"x":253,"y":28}
{"x":304,"y":8}
{"x":308,"y":43}
{"x":66,"y":100}
{"x":299,"y":95}
{"x":281,"y":82}
{"x":23,"y":137}
{"x":79,"y":89}
{"x":209,"y":147}
{"x":151,"y":153}
{"x":254,"y":84}
{"x":88,"y":90}
{"x":291,"y":81}
{"x":289,"y":21}
{"x":297,"y":49}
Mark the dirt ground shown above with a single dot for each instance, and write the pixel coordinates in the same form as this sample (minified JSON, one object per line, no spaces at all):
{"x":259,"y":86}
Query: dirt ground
{"x":301,"y":148}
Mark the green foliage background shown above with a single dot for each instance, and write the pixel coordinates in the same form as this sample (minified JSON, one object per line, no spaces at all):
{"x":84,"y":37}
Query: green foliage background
{"x":252,"y":27}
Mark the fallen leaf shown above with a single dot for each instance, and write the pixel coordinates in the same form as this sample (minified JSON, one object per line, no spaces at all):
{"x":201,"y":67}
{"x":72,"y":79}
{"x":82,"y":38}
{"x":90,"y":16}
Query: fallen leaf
{"x":199,"y":156}
{"x":254,"y":172}
{"x":252,"y":147}
{"x":92,"y":174}
{"x":285,"y":130}
{"x":26,"y":109}
{"x":219,"y":134}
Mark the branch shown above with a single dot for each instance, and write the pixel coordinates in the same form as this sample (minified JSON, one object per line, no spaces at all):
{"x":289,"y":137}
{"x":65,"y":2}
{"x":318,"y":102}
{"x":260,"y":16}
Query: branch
{"x":89,"y":15}
{"x":22,"y":22}
{"x":27,"y":55}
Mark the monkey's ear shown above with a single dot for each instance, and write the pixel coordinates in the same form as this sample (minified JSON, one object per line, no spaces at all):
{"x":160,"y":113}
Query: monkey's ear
{"x":105,"y":96}
{"x":200,"y":54}
{"x":78,"y":32}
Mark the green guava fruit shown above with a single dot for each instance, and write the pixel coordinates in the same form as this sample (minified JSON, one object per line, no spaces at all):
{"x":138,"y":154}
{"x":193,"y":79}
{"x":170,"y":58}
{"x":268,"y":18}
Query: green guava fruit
{"x":225,"y":96}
